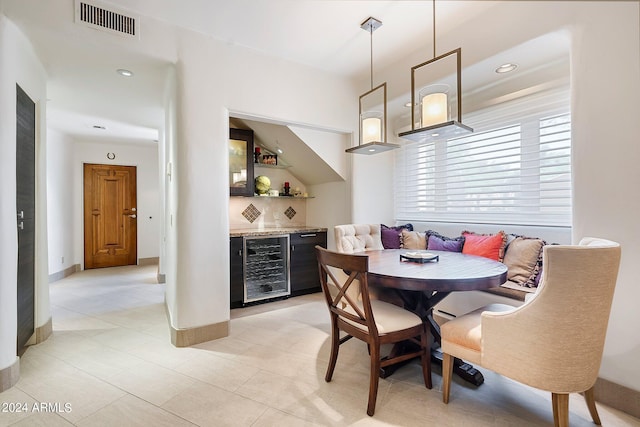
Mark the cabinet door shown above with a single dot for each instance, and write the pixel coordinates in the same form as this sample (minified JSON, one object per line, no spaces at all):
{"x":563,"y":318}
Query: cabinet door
{"x":237,"y":274}
{"x":241,"y":162}
{"x":304,"y":265}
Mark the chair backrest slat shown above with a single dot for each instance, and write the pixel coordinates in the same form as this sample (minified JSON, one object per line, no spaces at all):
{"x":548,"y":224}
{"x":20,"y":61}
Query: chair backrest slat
{"x":343,"y":294}
{"x":341,"y":302}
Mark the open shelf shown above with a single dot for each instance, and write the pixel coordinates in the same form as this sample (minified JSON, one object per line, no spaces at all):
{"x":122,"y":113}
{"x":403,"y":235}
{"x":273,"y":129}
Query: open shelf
{"x":264,"y":165}
{"x":284,"y":197}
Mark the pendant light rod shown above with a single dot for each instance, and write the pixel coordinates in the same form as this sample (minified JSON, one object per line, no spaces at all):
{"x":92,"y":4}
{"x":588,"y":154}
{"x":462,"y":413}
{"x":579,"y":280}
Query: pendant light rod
{"x":370,"y":25}
{"x":371,"y":52}
{"x":433,"y":2}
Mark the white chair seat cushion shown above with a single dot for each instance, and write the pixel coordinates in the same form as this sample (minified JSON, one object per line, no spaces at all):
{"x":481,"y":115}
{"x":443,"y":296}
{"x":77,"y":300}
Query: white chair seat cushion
{"x":388,"y":317}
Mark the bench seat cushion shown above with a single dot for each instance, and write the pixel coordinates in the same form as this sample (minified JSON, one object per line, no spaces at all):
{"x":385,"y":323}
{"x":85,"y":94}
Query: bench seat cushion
{"x":512,"y":290}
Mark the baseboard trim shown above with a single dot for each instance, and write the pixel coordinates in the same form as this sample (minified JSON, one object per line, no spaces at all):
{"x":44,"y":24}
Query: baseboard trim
{"x":148,"y":261}
{"x":618,"y":397}
{"x":10,"y":375}
{"x":191,"y":336}
{"x":43,"y":332}
{"x":64,"y":273}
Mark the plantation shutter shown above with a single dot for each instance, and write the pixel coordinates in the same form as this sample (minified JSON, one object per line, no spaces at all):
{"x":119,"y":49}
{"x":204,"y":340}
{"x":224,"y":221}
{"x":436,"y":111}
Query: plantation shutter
{"x":514,"y":169}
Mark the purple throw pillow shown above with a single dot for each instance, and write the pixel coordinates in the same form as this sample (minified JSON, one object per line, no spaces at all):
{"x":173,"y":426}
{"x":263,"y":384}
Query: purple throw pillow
{"x":536,"y":281}
{"x":390,"y":238}
{"x":438,"y":244}
{"x":391,"y":235}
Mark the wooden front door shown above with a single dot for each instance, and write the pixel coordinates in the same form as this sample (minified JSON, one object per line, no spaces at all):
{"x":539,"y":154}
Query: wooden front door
{"x":110,"y":216}
{"x":26,"y":214}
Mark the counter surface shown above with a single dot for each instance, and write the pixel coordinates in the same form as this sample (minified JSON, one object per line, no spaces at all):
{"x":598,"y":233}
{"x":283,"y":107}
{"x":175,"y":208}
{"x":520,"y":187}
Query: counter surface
{"x":240,"y":232}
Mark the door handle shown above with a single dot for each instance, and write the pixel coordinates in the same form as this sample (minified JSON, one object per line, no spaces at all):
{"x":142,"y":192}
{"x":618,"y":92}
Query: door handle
{"x":21,"y":215}
{"x":21,"y":225}
{"x":132,"y":216}
{"x":133,"y":209}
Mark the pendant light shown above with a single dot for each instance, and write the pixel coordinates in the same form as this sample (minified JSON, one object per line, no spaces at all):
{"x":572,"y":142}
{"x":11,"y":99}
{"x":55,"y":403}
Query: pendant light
{"x":372,"y":117}
{"x":435,"y":121}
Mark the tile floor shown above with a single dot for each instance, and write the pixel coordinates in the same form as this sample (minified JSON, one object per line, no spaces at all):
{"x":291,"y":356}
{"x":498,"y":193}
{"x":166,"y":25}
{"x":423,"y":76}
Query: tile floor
{"x":109,"y":362}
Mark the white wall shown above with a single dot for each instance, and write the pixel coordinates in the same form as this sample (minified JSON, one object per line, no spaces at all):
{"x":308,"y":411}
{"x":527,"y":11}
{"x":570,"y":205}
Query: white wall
{"x":605,"y":159}
{"x":19,"y":64}
{"x":169,"y":172}
{"x":60,"y":200}
{"x":330,"y":206}
{"x":328,"y":145}
{"x":605,"y":85}
{"x":145,"y":158}
{"x":372,"y":200}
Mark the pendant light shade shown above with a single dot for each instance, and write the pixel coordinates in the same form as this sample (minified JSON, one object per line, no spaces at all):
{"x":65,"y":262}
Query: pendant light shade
{"x":372,"y":109}
{"x":371,"y":126}
{"x":439,"y":115}
{"x":434,"y":105}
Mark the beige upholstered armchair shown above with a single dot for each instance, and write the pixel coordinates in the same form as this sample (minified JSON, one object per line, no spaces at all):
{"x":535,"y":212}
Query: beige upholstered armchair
{"x":554,"y":341}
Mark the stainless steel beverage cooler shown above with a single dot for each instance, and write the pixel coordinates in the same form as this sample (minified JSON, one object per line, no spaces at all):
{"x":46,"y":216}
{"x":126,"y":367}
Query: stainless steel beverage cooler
{"x":266,"y":267}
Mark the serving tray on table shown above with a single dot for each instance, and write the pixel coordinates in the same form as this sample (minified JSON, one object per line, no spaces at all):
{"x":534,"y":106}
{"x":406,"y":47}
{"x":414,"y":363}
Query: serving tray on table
{"x":420,"y":257}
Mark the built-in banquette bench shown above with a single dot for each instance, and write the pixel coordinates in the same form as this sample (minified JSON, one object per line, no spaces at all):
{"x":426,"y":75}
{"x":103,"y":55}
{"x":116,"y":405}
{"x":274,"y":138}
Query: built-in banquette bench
{"x":518,"y":250}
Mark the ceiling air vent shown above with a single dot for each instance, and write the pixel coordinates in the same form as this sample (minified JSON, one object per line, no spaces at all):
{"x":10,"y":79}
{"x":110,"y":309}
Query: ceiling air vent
{"x":109,"y":20}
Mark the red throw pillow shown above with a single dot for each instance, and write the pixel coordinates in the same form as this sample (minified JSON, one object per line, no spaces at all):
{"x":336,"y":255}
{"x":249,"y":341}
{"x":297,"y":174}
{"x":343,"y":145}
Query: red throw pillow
{"x":487,"y":245}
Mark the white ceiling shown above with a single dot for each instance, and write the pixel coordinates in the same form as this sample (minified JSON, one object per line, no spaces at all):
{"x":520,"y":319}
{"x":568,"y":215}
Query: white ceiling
{"x":324,"y":34}
{"x":84,"y":90}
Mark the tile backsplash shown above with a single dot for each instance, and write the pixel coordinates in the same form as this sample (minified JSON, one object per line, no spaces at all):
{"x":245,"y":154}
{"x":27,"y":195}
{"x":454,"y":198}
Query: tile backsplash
{"x":266,"y":212}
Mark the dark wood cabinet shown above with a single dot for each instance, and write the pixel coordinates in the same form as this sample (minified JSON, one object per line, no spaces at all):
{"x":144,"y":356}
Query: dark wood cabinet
{"x":241,"y":162}
{"x":304,"y":265}
{"x":237,"y":271}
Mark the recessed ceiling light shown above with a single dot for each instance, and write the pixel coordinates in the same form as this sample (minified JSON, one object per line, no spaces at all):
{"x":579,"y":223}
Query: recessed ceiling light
{"x":124,"y":72}
{"x":279,"y":150}
{"x":99,"y":127}
{"x":505,"y":68}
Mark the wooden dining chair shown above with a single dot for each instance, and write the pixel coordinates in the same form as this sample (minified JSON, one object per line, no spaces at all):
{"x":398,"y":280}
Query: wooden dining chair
{"x":372,"y":321}
{"x":553,"y":342}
